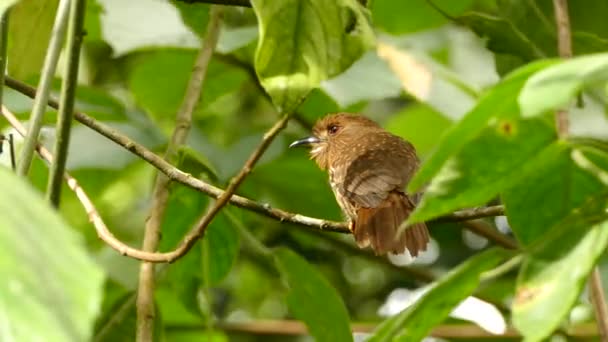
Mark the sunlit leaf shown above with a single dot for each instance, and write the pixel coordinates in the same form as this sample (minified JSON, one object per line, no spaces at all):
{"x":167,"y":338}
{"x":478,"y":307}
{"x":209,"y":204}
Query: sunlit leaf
{"x":416,"y":322}
{"x":552,"y":211}
{"x":304,"y":42}
{"x":30,"y":27}
{"x":498,"y":102}
{"x":51,"y":289}
{"x":312,"y":299}
{"x":552,"y":278}
{"x":557,"y":85}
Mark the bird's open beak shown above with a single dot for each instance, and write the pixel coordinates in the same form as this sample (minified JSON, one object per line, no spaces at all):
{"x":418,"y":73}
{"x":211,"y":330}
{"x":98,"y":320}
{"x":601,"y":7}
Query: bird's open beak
{"x":305,"y":142}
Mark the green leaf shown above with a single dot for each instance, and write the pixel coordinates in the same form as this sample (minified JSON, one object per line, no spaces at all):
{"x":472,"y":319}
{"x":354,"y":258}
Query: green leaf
{"x":50,"y":289}
{"x":194,"y":15}
{"x":185,"y":276}
{"x":557,"y":85}
{"x":303,"y":42}
{"x":415,"y":322}
{"x":498,"y":102}
{"x":503,"y":36}
{"x":551,"y":211}
{"x":312,"y":299}
{"x":220,"y":248}
{"x":414,"y":15}
{"x":30,"y":27}
{"x":489,"y":164}
{"x":552,"y":278}
{"x":560,"y":186}
{"x":159,"y":79}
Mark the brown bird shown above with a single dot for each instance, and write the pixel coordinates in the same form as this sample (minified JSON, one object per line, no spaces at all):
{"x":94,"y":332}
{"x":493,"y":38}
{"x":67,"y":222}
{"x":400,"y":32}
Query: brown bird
{"x":369,"y":169}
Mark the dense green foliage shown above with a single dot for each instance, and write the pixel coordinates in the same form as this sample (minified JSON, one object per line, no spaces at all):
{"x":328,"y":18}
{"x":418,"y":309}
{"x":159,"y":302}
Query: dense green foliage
{"x":473,"y":84}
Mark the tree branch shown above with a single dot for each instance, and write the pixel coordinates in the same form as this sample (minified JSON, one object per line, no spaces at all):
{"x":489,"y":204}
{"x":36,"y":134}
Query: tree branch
{"x":66,"y":105}
{"x":240,"y":3}
{"x":44,"y":87}
{"x":186,"y":179}
{"x":183,"y":123}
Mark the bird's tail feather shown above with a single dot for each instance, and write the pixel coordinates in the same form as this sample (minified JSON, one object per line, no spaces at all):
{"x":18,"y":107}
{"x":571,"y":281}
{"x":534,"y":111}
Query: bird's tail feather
{"x":378,"y":227}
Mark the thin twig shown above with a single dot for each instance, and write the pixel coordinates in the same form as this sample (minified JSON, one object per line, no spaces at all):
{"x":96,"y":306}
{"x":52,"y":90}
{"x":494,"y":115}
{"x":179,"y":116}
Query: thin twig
{"x":483,"y":229}
{"x":599,"y":303}
{"x":66,"y":101}
{"x":11,"y":149}
{"x":85,"y":201}
{"x":44,"y":87}
{"x":183,"y":122}
{"x":224,"y":198}
{"x":186,"y":179}
{"x":564,"y":44}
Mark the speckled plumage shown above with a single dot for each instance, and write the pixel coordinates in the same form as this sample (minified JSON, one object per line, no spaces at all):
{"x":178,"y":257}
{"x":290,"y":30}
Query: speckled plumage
{"x":369,"y":169}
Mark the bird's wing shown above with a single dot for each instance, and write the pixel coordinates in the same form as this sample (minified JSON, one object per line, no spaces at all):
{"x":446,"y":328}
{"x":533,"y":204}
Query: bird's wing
{"x":370,"y":178}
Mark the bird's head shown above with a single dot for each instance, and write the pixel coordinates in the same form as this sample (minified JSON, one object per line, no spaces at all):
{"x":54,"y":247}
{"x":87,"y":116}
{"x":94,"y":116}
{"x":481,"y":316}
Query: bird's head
{"x":332,"y":134}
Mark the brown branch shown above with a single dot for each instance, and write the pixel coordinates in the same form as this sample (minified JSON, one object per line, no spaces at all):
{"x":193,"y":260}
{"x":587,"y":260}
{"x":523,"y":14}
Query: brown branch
{"x":183,"y":122}
{"x":483,"y":229}
{"x":224,"y":198}
{"x":242,"y":202}
{"x":462,"y":331}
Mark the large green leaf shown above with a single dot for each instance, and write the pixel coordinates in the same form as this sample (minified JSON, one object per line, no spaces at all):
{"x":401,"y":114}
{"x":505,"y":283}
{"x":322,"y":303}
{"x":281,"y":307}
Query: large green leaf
{"x":312,"y":299}
{"x":415,"y":322}
{"x":551,"y":211}
{"x":303,"y":42}
{"x":497,"y":102}
{"x":50,"y":289}
{"x":30,"y":27}
{"x":489,"y":164}
{"x":553,"y":188}
{"x":557,"y":85}
{"x":552,"y":278}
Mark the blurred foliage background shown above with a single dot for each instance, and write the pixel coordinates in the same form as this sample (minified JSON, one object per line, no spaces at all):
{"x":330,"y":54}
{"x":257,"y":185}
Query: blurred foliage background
{"x":427,"y":68}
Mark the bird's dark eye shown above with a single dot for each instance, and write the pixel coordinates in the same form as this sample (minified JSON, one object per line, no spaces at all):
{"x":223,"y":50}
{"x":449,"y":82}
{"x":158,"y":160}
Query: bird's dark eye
{"x":333,"y":129}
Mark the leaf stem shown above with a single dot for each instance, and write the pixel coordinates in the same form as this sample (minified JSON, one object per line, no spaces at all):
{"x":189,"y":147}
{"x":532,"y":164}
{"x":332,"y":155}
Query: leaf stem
{"x":66,"y":101}
{"x":599,"y":303}
{"x":44,"y":87}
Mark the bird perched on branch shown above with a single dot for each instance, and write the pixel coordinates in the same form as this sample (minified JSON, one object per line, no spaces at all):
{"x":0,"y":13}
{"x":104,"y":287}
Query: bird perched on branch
{"x":369,"y":169}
